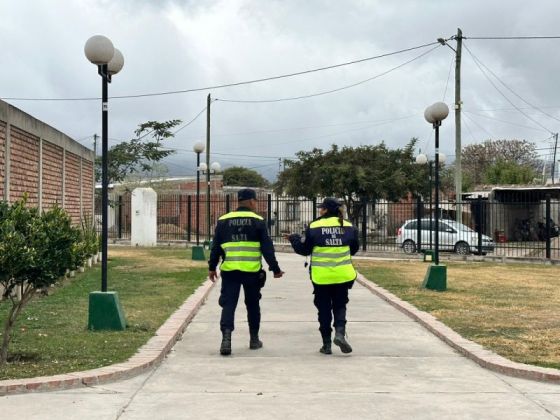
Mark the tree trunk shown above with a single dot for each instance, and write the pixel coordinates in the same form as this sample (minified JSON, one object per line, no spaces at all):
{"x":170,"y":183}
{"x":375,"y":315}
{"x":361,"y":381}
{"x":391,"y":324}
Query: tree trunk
{"x":10,"y":322}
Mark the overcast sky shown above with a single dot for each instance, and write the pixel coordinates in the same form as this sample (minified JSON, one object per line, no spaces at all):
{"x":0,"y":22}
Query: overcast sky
{"x":173,"y":45}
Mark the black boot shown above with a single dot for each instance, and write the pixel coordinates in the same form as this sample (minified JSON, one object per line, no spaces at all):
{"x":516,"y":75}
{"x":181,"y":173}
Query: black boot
{"x":326,"y":349}
{"x":225,"y":348}
{"x":254,"y":342}
{"x":340,"y":340}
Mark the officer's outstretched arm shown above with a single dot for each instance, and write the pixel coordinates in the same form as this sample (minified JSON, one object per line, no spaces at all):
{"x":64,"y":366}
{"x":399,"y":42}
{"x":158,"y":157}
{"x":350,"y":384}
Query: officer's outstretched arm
{"x":302,"y":247}
{"x":267,"y":249}
{"x":355,"y":242}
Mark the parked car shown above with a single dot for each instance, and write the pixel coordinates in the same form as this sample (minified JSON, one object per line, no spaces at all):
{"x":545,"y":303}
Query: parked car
{"x":453,"y":236}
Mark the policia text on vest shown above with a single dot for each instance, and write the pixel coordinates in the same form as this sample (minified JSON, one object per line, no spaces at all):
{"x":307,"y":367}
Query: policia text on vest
{"x":241,"y":240}
{"x":331,"y":241}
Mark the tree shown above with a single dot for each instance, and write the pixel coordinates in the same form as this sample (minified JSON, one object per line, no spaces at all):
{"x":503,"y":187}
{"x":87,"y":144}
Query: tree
{"x":353,"y":174}
{"x":140,"y":155}
{"x":478,"y":158}
{"x":244,"y":177}
{"x":504,"y":172}
{"x":35,"y":251}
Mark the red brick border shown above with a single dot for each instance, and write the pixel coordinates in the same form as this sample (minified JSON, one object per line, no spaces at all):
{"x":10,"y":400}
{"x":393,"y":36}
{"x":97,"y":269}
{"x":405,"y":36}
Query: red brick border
{"x":149,"y":355}
{"x":468,"y":348}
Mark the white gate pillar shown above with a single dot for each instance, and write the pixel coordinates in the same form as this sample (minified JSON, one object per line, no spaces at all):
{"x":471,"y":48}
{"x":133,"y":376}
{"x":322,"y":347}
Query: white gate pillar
{"x":143,"y":230}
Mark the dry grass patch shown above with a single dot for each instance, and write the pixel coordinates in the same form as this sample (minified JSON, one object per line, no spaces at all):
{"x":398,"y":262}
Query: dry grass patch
{"x":513,"y":310}
{"x":149,"y":259}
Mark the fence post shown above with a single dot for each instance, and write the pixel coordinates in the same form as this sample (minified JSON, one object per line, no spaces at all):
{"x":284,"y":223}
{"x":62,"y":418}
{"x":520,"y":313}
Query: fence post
{"x":269,"y":213}
{"x":364,"y":223}
{"x":227,"y":204}
{"x":314,"y":208}
{"x":479,"y":224}
{"x":189,"y":215}
{"x":547,"y":215}
{"x":419,"y":224}
{"x":120,"y":216}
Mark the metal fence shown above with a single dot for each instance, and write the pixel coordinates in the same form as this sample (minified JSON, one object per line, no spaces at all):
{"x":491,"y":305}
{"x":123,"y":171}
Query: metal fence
{"x":510,"y":228}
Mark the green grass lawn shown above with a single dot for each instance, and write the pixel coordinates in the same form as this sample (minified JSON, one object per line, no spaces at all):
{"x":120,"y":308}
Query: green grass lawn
{"x":513,"y":310}
{"x":51,"y":335}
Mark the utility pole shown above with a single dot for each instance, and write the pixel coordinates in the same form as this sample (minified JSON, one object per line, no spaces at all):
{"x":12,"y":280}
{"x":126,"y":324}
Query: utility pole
{"x":554,"y":158}
{"x":209,"y":101}
{"x":458,"y":104}
{"x":95,"y":144}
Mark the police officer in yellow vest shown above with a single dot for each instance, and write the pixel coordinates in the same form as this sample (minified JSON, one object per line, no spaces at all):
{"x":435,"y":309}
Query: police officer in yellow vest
{"x":330,"y":240}
{"x":241,"y":240}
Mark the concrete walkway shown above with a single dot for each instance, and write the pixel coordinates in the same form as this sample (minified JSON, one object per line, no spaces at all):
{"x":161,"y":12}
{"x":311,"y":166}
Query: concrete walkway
{"x":397,"y":371}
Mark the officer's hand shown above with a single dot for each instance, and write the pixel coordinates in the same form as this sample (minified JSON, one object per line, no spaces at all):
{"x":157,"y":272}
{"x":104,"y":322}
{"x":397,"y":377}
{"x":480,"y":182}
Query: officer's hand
{"x":286,"y":236}
{"x":213,"y":276}
{"x":278,"y":275}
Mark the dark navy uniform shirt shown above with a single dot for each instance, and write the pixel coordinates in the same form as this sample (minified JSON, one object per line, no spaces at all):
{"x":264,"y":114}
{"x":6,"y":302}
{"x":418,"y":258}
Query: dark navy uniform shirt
{"x":251,"y":230}
{"x":321,"y":237}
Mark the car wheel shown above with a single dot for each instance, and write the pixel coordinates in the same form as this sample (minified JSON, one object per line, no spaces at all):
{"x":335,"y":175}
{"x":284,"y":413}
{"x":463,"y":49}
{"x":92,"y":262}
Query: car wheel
{"x":409,"y":247}
{"x":462,"y":248}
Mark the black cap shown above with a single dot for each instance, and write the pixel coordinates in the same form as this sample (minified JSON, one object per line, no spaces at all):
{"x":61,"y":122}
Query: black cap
{"x":246,"y":194}
{"x":330,"y":204}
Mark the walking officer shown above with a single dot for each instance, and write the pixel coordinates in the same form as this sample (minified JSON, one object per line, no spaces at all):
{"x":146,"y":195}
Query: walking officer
{"x":241,"y":240}
{"x":330,"y":240}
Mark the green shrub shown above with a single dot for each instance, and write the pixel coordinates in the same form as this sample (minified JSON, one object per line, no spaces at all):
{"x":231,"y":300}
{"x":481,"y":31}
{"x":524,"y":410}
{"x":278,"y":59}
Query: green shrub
{"x":35,"y":252}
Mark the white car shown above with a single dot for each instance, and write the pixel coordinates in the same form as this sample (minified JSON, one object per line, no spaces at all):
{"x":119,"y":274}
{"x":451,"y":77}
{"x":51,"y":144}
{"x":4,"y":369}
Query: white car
{"x":453,"y":236}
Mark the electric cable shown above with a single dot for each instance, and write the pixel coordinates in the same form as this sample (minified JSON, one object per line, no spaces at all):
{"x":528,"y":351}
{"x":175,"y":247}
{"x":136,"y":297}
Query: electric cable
{"x":220,"y":86}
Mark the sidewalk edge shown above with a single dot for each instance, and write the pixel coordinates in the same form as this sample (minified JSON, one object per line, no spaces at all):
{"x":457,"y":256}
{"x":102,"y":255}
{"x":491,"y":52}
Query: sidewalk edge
{"x":147,"y":357}
{"x":468,"y":348}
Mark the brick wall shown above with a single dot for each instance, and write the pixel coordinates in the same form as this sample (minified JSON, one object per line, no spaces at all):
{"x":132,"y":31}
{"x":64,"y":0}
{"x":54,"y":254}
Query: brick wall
{"x":72,"y":186}
{"x":2,"y":157}
{"x":52,"y":175}
{"x":41,"y":162}
{"x":24,"y":166}
{"x":87,"y":188}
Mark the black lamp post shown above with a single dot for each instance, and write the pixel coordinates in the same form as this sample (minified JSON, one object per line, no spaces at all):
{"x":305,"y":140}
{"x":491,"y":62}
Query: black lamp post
{"x":436,"y":277}
{"x":104,"y":310}
{"x":215,"y":168}
{"x":198,"y":251}
{"x":422,"y":159}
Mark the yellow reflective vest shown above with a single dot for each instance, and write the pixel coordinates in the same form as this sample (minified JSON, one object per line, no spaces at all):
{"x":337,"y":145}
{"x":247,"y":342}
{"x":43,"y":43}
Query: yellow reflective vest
{"x":331,"y":262}
{"x":241,"y":255}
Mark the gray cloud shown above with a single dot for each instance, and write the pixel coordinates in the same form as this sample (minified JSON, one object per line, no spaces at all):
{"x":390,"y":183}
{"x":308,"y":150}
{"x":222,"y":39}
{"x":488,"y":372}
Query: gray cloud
{"x":183,"y":44}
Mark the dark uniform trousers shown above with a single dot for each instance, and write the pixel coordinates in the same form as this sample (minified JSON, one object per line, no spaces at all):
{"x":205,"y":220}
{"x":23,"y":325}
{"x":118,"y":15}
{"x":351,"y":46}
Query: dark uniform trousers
{"x":330,"y":300}
{"x":229,"y":296}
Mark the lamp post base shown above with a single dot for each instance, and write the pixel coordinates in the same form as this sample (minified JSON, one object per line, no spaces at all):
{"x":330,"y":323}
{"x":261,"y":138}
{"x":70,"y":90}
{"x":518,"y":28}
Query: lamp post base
{"x":198,"y":253}
{"x":436,"y":278}
{"x":105,"y":312}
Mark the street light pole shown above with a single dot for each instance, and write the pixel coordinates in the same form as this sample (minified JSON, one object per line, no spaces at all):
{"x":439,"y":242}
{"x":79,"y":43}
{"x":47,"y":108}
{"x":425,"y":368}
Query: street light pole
{"x":104,"y":173}
{"x":436,"y":277}
{"x":105,"y":311}
{"x":436,"y":254}
{"x":197,"y":199}
{"x":208,"y":103}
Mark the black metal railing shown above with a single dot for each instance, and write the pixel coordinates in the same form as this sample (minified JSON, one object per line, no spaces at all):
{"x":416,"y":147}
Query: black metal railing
{"x":507,"y":228}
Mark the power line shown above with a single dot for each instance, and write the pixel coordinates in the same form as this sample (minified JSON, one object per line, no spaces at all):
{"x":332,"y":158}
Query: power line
{"x":277,"y":130}
{"x":504,"y":121}
{"x":478,"y":125}
{"x":294,"y":98}
{"x":515,"y":93}
{"x":264,"y":79}
{"x":448,"y":77}
{"x":477,"y":62}
{"x":321,"y":136}
{"x":511,"y":37}
{"x":191,"y":121}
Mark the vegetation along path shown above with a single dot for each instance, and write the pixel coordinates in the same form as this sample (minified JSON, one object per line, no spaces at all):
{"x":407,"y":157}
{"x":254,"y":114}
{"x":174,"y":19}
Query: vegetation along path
{"x":51,"y":336}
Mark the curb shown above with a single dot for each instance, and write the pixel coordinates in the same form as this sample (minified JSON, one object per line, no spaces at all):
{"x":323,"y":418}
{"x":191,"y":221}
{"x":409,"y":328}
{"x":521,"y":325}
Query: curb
{"x":485,"y":358}
{"x":148,"y":356}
